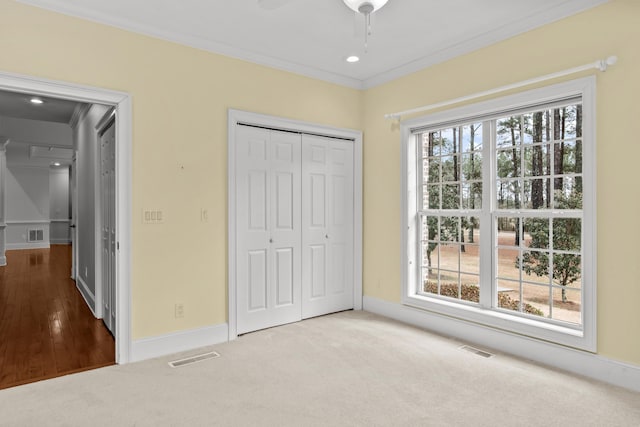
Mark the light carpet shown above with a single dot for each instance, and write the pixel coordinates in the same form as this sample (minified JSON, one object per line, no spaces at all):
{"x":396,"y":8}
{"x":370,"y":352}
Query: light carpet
{"x":345,"y":369}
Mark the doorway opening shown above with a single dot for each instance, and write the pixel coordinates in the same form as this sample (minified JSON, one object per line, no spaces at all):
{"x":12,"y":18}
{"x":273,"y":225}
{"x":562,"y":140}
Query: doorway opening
{"x":118,"y":176}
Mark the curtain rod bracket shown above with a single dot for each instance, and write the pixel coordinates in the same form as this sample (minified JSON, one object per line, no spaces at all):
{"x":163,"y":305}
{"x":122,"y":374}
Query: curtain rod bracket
{"x":603,"y":64}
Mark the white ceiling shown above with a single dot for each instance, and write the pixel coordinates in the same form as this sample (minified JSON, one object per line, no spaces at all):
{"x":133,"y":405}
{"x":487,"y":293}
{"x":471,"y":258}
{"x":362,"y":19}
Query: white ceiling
{"x":17,"y":105}
{"x":313,"y":37}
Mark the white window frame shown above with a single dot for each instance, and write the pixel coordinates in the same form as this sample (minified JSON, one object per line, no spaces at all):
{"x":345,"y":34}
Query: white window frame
{"x":583,"y":338}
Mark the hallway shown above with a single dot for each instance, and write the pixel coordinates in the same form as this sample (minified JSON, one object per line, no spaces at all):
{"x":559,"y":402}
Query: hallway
{"x":46,"y":328}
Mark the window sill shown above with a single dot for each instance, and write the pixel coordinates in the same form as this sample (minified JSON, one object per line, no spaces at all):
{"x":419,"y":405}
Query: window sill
{"x":504,"y":321}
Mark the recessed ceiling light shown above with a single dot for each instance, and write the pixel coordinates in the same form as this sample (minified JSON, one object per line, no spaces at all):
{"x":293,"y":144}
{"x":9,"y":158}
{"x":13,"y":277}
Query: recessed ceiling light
{"x":36,"y":101}
{"x":353,"y":59}
{"x":56,"y":163}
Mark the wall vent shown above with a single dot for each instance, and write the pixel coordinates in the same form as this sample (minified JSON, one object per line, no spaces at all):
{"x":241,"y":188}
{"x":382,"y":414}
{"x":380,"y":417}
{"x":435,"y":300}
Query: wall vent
{"x":476,"y":351}
{"x":193,"y":359}
{"x":35,"y":235}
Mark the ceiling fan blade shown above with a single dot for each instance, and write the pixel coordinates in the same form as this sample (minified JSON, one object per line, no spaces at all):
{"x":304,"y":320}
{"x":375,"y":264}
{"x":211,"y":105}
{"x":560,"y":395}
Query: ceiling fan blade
{"x":272,"y":4}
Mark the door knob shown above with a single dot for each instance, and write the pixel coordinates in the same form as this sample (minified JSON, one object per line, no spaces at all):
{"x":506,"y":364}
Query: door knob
{"x":270,"y":240}
{"x":326,"y":236}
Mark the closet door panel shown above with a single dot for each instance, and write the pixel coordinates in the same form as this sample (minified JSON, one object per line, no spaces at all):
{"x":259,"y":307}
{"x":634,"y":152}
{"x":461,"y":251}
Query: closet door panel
{"x":257,"y":280}
{"x":327,"y":225}
{"x":317,"y":270}
{"x":267,"y":226}
{"x":285,"y":272}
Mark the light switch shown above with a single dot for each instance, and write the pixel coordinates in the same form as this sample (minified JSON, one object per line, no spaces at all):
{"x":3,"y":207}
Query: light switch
{"x":152,"y":216}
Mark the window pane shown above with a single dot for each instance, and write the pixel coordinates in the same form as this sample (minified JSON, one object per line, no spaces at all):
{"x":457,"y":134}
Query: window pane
{"x":535,"y":300}
{"x":430,"y":280}
{"x":568,"y":193}
{"x":508,"y":294}
{"x":535,"y":267}
{"x":536,"y":232}
{"x":433,"y":142}
{"x":448,"y":141}
{"x":567,"y":234}
{"x":508,"y":264}
{"x":450,"y":229}
{"x":537,"y":160}
{"x":471,"y":166}
{"x":431,"y":169}
{"x":429,"y":228}
{"x":431,"y":197}
{"x":451,"y":196}
{"x":510,"y":298}
{"x":564,"y":157}
{"x":450,"y":168}
{"x":449,"y":256}
{"x":508,"y":163}
{"x":509,"y":130}
{"x":508,"y":194}
{"x":472,"y":195}
{"x":567,"y":269}
{"x":571,"y":123}
{"x":471,"y":229}
{"x":537,"y":126}
{"x":471,"y":137}
{"x":470,"y":258}
{"x":469,"y":287}
{"x":449,"y":287}
{"x":537,"y":193}
{"x":508,"y":231}
{"x":567,"y":305}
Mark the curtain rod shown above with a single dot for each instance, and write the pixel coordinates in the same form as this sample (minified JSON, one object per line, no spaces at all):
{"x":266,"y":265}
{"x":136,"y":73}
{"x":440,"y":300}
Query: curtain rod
{"x":601,"y":65}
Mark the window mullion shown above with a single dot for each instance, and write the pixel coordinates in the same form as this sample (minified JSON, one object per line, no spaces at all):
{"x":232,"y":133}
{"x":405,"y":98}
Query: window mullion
{"x":487,"y":262}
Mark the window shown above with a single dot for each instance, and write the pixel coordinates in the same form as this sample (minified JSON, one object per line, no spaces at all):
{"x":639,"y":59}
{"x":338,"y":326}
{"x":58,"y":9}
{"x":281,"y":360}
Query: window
{"x":500,"y":213}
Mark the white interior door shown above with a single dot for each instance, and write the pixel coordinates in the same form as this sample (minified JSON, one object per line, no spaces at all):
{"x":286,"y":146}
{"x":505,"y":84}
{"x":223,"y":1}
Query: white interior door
{"x":73,"y":192}
{"x":268,"y":259}
{"x":327,"y":225}
{"x":108,"y":226}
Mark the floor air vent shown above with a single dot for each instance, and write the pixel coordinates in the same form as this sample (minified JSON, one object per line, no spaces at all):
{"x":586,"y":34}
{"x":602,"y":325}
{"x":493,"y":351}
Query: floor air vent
{"x":193,"y":359}
{"x":476,"y":351}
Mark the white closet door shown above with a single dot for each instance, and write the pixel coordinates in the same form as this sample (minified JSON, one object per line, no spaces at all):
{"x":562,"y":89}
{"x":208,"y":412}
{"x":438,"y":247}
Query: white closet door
{"x":268,"y":228}
{"x":327,"y":225}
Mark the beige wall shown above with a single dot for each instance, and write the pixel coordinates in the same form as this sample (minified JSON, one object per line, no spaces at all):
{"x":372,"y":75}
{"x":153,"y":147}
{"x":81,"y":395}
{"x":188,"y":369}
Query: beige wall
{"x":180,"y":101}
{"x":180,"y":98}
{"x":611,"y":29}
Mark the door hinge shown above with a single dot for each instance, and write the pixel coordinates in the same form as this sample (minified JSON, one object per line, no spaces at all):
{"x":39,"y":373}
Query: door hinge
{"x":118,"y":246}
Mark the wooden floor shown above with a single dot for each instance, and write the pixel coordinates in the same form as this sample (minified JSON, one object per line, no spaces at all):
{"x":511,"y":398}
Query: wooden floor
{"x":46,"y":328}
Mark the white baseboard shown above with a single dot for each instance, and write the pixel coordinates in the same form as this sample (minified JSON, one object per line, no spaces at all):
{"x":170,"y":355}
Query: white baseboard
{"x":148,"y":348}
{"x":88,"y":296}
{"x":22,"y":246}
{"x":565,"y":358}
{"x":60,"y":241}
{"x":3,"y":261}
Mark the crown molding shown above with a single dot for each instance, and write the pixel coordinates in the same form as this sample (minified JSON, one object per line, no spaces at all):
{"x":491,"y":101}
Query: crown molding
{"x":562,"y":10}
{"x":468,"y":45}
{"x":195,"y":42}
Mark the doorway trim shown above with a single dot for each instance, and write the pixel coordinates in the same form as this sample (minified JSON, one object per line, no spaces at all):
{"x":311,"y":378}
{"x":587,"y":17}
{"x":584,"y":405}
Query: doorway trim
{"x":236,"y":117}
{"x":122,"y":103}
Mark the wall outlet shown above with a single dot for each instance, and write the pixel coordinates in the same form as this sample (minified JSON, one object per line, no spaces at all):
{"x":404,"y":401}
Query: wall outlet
{"x":204,"y":215}
{"x":179,"y":310}
{"x":86,"y":272}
